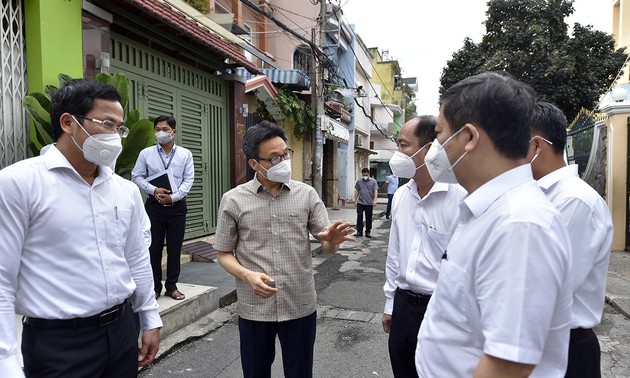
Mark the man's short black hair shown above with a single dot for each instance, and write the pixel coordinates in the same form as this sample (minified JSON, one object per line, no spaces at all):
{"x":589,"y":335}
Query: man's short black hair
{"x":170,"y":120}
{"x":549,"y":122}
{"x":365,"y":170}
{"x":77,"y":97}
{"x":498,"y":104}
{"x":258,"y":133}
{"x":425,"y":129}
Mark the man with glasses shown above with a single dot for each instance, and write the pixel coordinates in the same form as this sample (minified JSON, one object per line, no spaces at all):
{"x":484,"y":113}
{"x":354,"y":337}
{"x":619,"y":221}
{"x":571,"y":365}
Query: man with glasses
{"x":263,"y":240}
{"x":74,"y":260}
{"x":166,"y":207}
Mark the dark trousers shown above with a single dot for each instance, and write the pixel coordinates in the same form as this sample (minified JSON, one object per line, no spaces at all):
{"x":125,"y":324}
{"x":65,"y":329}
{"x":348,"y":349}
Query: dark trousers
{"x":166,"y":222}
{"x":388,"y":212}
{"x":407,"y":316}
{"x":258,"y":346}
{"x":108,"y":351}
{"x":368,"y":217}
{"x":584,"y":355}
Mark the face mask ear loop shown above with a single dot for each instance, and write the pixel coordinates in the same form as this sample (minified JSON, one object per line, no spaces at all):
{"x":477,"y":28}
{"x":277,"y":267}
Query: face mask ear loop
{"x":464,"y":154}
{"x":421,"y":148}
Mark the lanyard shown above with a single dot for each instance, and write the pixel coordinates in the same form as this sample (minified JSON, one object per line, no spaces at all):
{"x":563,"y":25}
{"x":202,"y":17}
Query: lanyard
{"x":170,"y":157}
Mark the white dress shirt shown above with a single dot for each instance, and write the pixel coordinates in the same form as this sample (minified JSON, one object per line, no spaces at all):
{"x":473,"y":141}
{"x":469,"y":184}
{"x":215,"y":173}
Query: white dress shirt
{"x":152,"y":160}
{"x":504,"y":288}
{"x":68,"y":249}
{"x":420,"y":231}
{"x":589,"y":223}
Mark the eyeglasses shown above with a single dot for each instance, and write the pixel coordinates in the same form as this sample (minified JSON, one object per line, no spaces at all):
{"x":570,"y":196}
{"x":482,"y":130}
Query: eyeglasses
{"x":277,"y":159}
{"x":108,"y":126}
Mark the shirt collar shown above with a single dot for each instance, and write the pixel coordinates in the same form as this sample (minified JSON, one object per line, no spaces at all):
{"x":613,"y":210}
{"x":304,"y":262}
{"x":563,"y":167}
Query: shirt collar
{"x":481,"y":199}
{"x":255,"y":185}
{"x":551,"y":178}
{"x":437,"y":187}
{"x":54,"y":159}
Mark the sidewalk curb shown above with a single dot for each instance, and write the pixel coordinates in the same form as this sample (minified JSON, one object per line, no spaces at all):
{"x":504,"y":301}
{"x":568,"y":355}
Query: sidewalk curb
{"x":613,"y":300}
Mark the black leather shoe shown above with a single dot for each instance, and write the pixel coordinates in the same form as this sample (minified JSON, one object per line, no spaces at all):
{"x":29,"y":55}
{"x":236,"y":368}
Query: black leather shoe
{"x":367,"y":235}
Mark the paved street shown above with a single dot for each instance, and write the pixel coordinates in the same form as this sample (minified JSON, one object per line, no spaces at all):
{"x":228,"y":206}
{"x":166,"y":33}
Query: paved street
{"x":350,"y":341}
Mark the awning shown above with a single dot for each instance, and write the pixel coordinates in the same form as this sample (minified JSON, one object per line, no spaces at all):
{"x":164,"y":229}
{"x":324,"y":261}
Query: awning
{"x":382,"y":155}
{"x":263,"y":90}
{"x":334,"y":130}
{"x":295,"y":78}
{"x":365,"y":151}
{"x":168,"y":14}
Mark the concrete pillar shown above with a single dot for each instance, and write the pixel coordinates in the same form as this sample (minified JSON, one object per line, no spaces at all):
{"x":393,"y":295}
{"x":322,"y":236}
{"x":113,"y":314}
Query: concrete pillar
{"x":53,"y":41}
{"x":616,"y":175}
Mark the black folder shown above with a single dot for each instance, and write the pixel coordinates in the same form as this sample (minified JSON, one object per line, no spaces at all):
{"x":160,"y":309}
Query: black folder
{"x":162,"y":181}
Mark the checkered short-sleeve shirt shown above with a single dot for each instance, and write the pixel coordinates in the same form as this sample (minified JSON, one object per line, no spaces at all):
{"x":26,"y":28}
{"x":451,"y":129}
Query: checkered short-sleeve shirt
{"x":270,"y":234}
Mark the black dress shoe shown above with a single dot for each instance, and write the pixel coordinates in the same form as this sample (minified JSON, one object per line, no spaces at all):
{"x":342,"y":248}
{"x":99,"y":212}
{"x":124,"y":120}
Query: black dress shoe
{"x":357,"y":234}
{"x":367,"y":235}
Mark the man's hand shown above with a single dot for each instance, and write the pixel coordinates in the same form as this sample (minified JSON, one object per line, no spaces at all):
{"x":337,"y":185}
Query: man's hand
{"x":259,"y":282}
{"x":150,"y":346}
{"x":162,"y":195}
{"x":387,"y":322}
{"x":356,"y":204}
{"x":374,"y":203}
{"x":337,"y":233}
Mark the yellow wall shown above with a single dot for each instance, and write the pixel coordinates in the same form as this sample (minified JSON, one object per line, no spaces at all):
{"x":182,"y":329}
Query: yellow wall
{"x":621,"y":32}
{"x":616,"y":176}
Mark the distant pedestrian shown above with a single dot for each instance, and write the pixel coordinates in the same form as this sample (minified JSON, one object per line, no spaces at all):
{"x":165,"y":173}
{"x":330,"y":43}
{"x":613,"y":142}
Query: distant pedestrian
{"x":502,"y":303}
{"x":588,"y":220}
{"x":73,"y":257}
{"x":365,"y":197}
{"x":166,"y":206}
{"x":391,"y":185}
{"x":262,"y":239}
{"x":425,"y":215}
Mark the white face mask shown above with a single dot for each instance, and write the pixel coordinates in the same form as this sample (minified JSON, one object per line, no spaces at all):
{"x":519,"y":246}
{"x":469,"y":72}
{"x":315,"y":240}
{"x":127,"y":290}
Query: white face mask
{"x":403,"y":165}
{"x":100,"y":149}
{"x":437,"y":162}
{"x":163,"y":137}
{"x":365,"y":178}
{"x":280,"y":172}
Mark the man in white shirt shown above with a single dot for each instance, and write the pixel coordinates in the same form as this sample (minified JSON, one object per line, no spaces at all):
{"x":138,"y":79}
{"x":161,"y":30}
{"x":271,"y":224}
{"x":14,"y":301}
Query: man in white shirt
{"x":166,"y":207}
{"x":74,"y":259}
{"x":425,"y":215}
{"x":589,"y":223}
{"x":502,"y":303}
{"x":391,"y":185}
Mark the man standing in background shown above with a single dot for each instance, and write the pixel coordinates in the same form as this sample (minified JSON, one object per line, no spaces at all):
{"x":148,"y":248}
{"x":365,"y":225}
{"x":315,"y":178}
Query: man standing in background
{"x":391,"y":184}
{"x":166,"y":207}
{"x":365,"y":196}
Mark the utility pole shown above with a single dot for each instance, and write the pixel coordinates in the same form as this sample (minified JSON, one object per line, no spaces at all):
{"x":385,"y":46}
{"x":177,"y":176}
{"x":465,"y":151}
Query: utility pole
{"x":317,"y":102}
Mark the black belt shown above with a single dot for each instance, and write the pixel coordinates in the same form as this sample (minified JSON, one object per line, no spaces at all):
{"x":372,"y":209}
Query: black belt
{"x":104,"y":318}
{"x":419,"y":299}
{"x":152,"y":199}
{"x":581,"y":332}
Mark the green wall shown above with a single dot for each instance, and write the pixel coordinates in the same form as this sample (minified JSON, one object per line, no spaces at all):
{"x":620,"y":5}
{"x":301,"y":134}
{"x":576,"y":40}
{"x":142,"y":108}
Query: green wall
{"x":53,"y":41}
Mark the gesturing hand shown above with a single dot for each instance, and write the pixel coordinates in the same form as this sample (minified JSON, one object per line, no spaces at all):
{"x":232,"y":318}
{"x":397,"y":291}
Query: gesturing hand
{"x":337,"y":233}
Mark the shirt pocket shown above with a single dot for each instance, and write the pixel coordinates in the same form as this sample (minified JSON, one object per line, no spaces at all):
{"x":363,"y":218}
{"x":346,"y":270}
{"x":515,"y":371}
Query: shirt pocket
{"x":121,"y":224}
{"x":437,"y":243}
{"x":451,"y":299}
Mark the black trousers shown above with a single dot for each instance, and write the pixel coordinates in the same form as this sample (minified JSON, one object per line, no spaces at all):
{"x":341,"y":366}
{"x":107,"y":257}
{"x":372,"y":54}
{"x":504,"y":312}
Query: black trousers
{"x":388,"y":212}
{"x":368,"y":217}
{"x":584,"y":355}
{"x":86,"y":352}
{"x":407,"y":316}
{"x":258,"y":346}
{"x":166,"y":222}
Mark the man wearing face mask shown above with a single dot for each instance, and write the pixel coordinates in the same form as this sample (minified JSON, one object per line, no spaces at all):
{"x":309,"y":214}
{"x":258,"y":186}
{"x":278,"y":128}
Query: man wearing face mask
{"x":502,"y":302}
{"x":590,"y":227}
{"x":425,"y":215}
{"x":74,"y":260}
{"x":365,"y":197}
{"x":166,"y":207}
{"x":263,"y":240}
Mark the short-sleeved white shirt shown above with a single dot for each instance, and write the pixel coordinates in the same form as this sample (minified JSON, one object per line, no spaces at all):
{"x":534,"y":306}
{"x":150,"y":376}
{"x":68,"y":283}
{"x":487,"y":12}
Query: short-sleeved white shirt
{"x":589,"y":223}
{"x":504,"y":288}
{"x":421,"y":229}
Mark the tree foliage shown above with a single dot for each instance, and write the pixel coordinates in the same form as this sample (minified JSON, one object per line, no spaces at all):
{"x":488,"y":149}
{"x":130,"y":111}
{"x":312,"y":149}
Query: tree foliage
{"x":529,"y":39}
{"x":289,"y":110}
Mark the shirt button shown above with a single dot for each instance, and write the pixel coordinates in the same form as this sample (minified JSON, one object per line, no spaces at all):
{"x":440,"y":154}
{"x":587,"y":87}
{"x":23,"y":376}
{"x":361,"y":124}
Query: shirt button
{"x":275,"y":233}
{"x":277,"y":269}
{"x":274,"y":216}
{"x":277,"y":251}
